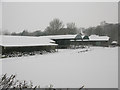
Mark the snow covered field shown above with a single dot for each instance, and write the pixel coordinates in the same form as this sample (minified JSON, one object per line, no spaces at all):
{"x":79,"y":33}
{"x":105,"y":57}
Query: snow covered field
{"x":68,"y":68}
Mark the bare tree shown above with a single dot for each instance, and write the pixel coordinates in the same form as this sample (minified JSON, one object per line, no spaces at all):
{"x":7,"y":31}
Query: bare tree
{"x":71,"y":25}
{"x":54,"y":26}
{"x":71,"y":28}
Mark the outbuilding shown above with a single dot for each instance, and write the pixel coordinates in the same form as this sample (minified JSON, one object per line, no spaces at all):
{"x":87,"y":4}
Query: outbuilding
{"x":15,"y":44}
{"x":93,"y":40}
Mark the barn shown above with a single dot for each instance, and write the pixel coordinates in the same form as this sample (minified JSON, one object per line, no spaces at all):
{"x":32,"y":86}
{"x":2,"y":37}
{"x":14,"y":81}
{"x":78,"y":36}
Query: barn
{"x":22,"y":44}
{"x":28,"y":44}
{"x":66,"y":41}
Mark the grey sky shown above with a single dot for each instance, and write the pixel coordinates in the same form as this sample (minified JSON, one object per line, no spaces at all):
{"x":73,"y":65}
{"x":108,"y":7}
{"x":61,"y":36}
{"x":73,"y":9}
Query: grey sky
{"x":37,"y":15}
{"x":0,"y":15}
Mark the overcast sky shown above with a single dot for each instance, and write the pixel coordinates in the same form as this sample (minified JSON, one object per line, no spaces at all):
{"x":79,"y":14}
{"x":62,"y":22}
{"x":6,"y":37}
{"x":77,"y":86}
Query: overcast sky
{"x":37,"y":15}
{"x":0,"y":14}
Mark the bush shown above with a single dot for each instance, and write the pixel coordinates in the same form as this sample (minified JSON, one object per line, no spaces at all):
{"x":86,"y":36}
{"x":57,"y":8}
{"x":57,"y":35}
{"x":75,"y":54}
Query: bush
{"x":7,"y":82}
{"x":11,"y":83}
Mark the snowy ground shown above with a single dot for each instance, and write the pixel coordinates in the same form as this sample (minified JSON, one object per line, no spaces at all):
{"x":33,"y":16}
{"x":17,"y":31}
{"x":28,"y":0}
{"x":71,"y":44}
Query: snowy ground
{"x":68,"y":68}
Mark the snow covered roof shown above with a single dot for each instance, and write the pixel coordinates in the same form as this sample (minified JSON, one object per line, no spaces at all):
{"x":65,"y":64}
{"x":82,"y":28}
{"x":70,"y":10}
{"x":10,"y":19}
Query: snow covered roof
{"x":10,"y":41}
{"x":91,"y":38}
{"x":114,"y":42}
{"x":95,"y":38}
{"x":60,"y":36}
{"x":98,"y":38}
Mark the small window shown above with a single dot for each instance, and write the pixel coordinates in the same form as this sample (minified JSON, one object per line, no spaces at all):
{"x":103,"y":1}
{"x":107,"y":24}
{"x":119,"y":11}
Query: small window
{"x":78,"y":37}
{"x":85,"y":37}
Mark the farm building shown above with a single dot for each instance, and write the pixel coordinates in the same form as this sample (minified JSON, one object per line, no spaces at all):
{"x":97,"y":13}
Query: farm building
{"x":12,"y":44}
{"x":93,"y":40}
{"x":65,"y":41}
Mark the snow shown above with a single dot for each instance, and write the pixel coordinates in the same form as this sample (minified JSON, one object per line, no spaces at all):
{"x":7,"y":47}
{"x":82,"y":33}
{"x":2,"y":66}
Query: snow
{"x":114,"y":42}
{"x":60,"y":36}
{"x":95,"y":67}
{"x":98,"y":38}
{"x":10,"y":41}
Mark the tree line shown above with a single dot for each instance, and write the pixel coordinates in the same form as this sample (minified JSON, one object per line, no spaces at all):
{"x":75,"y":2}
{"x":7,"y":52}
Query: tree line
{"x":105,"y":29}
{"x":56,"y":27}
